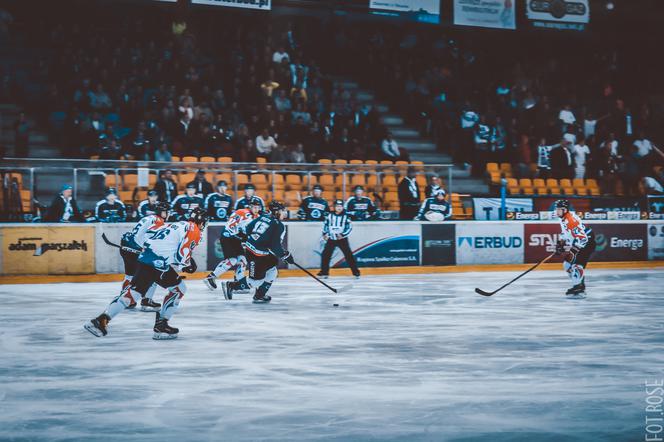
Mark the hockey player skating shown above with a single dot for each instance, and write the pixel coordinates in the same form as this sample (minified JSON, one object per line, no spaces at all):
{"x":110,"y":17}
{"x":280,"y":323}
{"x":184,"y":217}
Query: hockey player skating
{"x":263,"y":250}
{"x":576,"y":245}
{"x":167,"y":251}
{"x":435,"y":208}
{"x":131,"y":246}
{"x":336,"y":229}
{"x":231,"y":243}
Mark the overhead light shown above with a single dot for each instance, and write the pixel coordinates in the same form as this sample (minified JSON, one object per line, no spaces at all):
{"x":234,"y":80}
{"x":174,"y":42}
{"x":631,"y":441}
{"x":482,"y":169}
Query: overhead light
{"x":610,"y":5}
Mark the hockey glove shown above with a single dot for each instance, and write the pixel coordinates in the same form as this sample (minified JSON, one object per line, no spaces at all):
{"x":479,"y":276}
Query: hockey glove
{"x":288,"y":258}
{"x":560,"y":247}
{"x":191,"y":268}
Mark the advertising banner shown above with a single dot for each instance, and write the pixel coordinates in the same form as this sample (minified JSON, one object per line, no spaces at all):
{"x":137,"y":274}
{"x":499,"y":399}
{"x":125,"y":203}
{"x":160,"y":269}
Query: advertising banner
{"x":485,"y":13}
{"x":425,"y":11}
{"x":655,"y":207}
{"x":488,"y":209}
{"x":55,"y":250}
{"x":615,"y":242}
{"x":656,"y":241}
{"x":489,"y":243}
{"x":559,"y":14}
{"x":108,"y":259}
{"x":263,"y":5}
{"x":374,"y":244}
{"x":438,"y":244}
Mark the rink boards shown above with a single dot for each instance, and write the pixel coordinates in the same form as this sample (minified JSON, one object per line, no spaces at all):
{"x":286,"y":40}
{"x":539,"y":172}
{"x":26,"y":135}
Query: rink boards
{"x":57,"y":249}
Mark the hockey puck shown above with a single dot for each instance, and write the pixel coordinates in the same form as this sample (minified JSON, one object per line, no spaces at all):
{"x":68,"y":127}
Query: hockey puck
{"x":335,"y":305}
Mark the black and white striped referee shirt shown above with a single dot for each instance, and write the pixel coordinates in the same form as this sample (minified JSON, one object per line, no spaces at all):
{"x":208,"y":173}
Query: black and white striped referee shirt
{"x":337,"y":226}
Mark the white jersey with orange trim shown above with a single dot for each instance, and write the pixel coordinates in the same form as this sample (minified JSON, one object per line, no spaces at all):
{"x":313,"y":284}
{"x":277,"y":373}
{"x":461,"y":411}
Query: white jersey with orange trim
{"x":135,"y":238}
{"x":172,"y":245}
{"x":237,"y":222}
{"x":573,"y":230}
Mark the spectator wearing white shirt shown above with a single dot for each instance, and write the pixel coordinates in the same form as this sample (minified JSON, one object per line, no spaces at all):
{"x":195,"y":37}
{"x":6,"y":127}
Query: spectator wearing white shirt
{"x":580,"y":152}
{"x":567,"y":116}
{"x":265,"y":143}
{"x":643,"y":145}
{"x":390,"y":148}
{"x":279,"y":55}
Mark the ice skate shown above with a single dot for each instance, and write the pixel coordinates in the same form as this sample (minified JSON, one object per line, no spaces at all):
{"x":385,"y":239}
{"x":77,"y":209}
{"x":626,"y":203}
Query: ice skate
{"x":210,"y":282}
{"x":98,"y":325}
{"x":322,"y":276}
{"x":133,"y":305}
{"x":262,"y":299}
{"x":148,"y":305}
{"x":241,"y":291}
{"x":162,"y":330}
{"x":577,"y":292}
{"x":228,"y":291}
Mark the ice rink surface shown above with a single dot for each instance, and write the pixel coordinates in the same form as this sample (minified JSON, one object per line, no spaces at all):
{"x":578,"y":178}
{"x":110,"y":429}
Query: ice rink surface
{"x":403,"y":358}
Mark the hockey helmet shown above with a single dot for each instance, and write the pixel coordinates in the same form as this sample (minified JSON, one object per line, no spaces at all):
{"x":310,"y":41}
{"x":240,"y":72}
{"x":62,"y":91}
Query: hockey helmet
{"x":318,"y":187}
{"x":276,"y":207}
{"x":191,"y":186}
{"x":438,"y":191}
{"x":111,"y":191}
{"x":222,"y":183}
{"x":198,"y":216}
{"x":338,"y":203}
{"x":254,"y":202}
{"x":562,"y":204}
{"x":358,"y":187}
{"x":153,"y":193}
{"x":249,"y":187}
{"x":163,"y":206}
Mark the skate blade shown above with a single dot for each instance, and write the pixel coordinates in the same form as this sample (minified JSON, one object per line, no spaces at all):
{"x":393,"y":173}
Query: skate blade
{"x":241,"y":292}
{"x":150,"y":309}
{"x":226,"y":295}
{"x":258,"y":301}
{"x":577,"y":296}
{"x":92,"y":329}
{"x":209,"y":286}
{"x":163,"y":336}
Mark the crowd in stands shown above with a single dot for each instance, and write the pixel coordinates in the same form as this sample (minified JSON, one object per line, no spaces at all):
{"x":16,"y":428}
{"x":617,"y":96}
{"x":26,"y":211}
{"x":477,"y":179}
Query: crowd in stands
{"x":501,"y":98}
{"x":139,"y":89}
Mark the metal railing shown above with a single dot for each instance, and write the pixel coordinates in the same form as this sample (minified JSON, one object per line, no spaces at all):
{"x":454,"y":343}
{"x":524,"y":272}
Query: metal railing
{"x":44,"y":177}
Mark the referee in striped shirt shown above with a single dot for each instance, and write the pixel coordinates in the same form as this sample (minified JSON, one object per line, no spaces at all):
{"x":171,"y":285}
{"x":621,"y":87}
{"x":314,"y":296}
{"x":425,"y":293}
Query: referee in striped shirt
{"x":336,"y":229}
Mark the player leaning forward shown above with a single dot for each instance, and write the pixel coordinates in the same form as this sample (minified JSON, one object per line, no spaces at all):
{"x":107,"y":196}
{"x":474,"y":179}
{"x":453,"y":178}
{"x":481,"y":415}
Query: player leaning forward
{"x":263,"y":250}
{"x":166,"y":251}
{"x":576,"y":245}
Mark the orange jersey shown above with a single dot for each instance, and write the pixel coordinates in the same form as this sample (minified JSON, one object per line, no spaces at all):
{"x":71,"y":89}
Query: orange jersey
{"x":573,"y":230}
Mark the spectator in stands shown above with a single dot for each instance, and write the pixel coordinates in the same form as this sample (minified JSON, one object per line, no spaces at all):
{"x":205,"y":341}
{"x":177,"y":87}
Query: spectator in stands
{"x":203,"y":186}
{"x":631,"y":171}
{"x":297,"y":155}
{"x":434,"y":184}
{"x":64,"y":208}
{"x":265,"y":143}
{"x":281,"y":102}
{"x":278,"y":154}
{"x":21,"y":136}
{"x":562,"y":164}
{"x":654,"y":184}
{"x":581,"y":152}
{"x":280,"y":55}
{"x":523,"y":157}
{"x":544,"y":159}
{"x":390,"y":148}
{"x":162,"y":154}
{"x":566,"y":117}
{"x":110,"y":149}
{"x":643,"y":149}
{"x":110,"y":209}
{"x":409,"y":196}
{"x":166,"y":187}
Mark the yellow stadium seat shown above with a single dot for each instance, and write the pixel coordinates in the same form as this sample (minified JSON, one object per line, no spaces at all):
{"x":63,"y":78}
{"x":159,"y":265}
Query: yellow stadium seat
{"x":277,"y":181}
{"x":224,"y":177}
{"x":371,"y":162}
{"x":358,"y":179}
{"x":525,"y":182}
{"x":126,"y":196}
{"x":565,"y":182}
{"x":495,"y":178}
{"x":372,"y":182}
{"x":241,"y":179}
{"x":513,"y":190}
{"x":356,"y":162}
{"x":260,"y":181}
{"x":581,"y":191}
{"x":207,"y":160}
{"x":175,"y":159}
{"x":261,"y":160}
{"x":527,"y":190}
{"x":224,"y":159}
{"x":389,"y":182}
{"x":189,"y":159}
{"x":594,"y":191}
{"x":329,"y":196}
{"x":492,"y":167}
{"x":551,"y":182}
{"x":327,"y":181}
{"x":512,"y":182}
{"x":592,"y":183}
{"x":111,"y":180}
{"x":541,"y":191}
{"x":293,"y":182}
{"x":505,"y":167}
{"x":324,"y":161}
{"x":184,"y":179}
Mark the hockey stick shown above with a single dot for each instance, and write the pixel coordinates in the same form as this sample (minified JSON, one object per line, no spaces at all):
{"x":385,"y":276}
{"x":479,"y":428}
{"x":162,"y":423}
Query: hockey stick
{"x":339,"y":290}
{"x":107,"y":241}
{"x":483,"y":293}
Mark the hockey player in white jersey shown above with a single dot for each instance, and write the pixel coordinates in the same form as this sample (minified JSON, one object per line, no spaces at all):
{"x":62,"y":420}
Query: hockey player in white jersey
{"x":231,"y":241}
{"x":131,"y":246}
{"x":166,"y":252}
